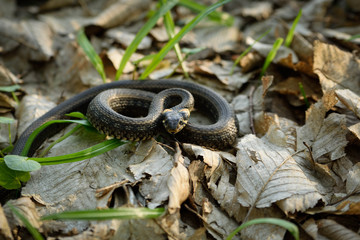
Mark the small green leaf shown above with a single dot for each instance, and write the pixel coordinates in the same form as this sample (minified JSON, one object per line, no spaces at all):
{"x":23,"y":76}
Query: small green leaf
{"x":11,"y":88}
{"x":90,"y":52}
{"x":76,"y":115}
{"x":6,"y":120}
{"x":20,"y":163}
{"x":107,"y":214}
{"x":11,"y":179}
{"x":353,"y":37}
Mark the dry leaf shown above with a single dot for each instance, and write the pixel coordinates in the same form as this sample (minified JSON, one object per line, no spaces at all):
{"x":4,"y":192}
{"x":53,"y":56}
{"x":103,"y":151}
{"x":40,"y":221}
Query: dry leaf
{"x":353,"y":180}
{"x":267,"y":173}
{"x":350,"y":100}
{"x":31,"y":108}
{"x":27,"y":208}
{"x":332,"y":230}
{"x":325,"y":136}
{"x":5,"y":231}
{"x":178,"y":184}
{"x":336,"y":68}
{"x":121,"y":12}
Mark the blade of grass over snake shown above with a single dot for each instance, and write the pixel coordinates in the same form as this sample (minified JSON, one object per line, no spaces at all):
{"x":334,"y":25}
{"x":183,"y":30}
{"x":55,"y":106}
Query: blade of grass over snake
{"x":107,"y":214}
{"x":292,"y":228}
{"x":290,"y":35}
{"x":157,"y":59}
{"x":170,"y":29}
{"x":33,"y":135}
{"x":271,"y":55}
{"x":220,"y":17}
{"x":142,"y":33}
{"x":90,"y":52}
{"x":90,"y":152}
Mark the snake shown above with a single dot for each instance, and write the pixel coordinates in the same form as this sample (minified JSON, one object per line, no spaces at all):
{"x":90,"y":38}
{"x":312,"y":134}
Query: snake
{"x":104,"y":105}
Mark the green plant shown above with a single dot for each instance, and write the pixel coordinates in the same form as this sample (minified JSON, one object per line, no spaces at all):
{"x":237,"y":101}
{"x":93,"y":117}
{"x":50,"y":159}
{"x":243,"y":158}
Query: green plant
{"x":11,"y":89}
{"x":170,"y":44}
{"x":7,"y":121}
{"x":247,"y":50}
{"x":90,"y":52}
{"x":271,"y":55}
{"x":107,"y":214}
{"x":15,"y":169}
{"x":291,"y":32}
{"x":292,"y":228}
{"x":302,"y":91}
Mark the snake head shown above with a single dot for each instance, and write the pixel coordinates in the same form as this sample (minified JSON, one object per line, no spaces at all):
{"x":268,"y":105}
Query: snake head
{"x":175,"y":120}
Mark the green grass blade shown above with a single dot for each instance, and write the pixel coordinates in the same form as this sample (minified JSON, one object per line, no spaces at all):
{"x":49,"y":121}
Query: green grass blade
{"x":90,"y":152}
{"x":170,"y":29}
{"x":292,"y":228}
{"x":220,"y":17}
{"x":142,"y":33}
{"x":60,"y":139}
{"x":33,"y":135}
{"x":90,"y":52}
{"x":33,"y":231}
{"x":271,"y":55}
{"x":354,"y":37}
{"x":302,"y":91}
{"x":107,"y":214}
{"x":157,"y":59}
{"x":247,"y":50}
{"x":291,"y":32}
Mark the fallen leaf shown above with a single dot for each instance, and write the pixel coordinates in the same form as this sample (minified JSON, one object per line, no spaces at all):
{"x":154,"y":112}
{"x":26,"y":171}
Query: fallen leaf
{"x":336,"y":68}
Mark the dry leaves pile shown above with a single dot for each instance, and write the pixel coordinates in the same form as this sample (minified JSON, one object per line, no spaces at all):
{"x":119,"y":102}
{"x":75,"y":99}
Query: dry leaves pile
{"x":301,"y":165}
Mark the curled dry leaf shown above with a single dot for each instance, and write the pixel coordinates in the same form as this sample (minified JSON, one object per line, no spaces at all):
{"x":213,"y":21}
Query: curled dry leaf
{"x":332,"y":230}
{"x":35,"y":36}
{"x":336,"y":68}
{"x":120,"y":13}
{"x":27,"y":208}
{"x":178,"y":184}
{"x":5,"y":231}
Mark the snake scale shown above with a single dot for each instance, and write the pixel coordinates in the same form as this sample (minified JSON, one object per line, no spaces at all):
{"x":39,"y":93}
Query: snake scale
{"x":219,"y":134}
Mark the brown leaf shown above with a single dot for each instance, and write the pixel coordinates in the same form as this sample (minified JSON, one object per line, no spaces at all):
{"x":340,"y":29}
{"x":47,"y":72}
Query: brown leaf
{"x":333,"y":230}
{"x":336,"y":68}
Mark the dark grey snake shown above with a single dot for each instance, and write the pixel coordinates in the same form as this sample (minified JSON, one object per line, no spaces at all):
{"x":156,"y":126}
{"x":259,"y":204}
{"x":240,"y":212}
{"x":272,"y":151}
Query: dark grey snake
{"x":220,"y":134}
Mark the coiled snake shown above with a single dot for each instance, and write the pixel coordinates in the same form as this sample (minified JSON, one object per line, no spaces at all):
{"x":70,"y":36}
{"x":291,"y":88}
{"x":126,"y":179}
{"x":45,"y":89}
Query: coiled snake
{"x":220,"y":134}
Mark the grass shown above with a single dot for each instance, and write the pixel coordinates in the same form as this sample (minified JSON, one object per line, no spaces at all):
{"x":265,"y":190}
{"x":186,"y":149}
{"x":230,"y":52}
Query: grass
{"x":11,"y":89}
{"x":292,"y":228}
{"x":162,"y":11}
{"x":170,"y":44}
{"x":91,"y":53}
{"x":107,"y":214}
{"x":291,"y":32}
{"x":32,"y":230}
{"x":271,"y":55}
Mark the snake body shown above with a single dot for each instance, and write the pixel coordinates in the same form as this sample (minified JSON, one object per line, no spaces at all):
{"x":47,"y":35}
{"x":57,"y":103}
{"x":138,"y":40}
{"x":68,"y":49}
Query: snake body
{"x":220,"y":134}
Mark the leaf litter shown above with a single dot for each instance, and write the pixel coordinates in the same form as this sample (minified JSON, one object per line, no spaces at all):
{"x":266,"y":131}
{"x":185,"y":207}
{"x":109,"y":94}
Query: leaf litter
{"x":289,"y":162}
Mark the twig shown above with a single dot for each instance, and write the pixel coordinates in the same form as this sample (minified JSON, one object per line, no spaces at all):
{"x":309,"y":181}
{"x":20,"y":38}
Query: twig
{"x":251,"y":110}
